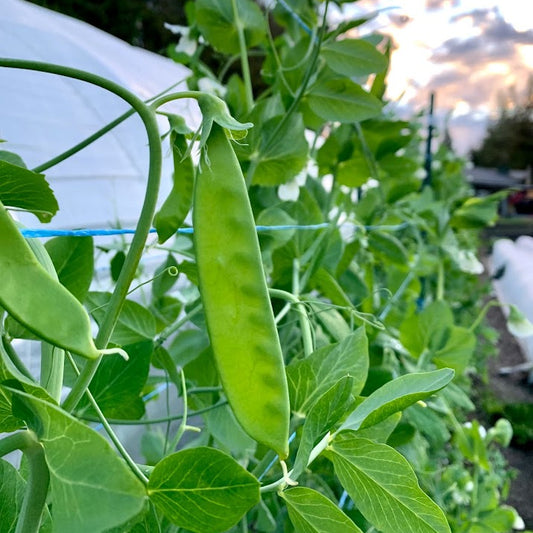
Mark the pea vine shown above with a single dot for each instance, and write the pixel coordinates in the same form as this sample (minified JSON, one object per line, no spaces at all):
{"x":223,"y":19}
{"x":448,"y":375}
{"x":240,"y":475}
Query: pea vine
{"x":280,"y":377}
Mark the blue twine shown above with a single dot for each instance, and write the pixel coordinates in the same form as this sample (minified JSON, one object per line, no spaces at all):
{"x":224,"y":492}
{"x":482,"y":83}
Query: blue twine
{"x":342,"y":500}
{"x":35,"y":233}
{"x":295,"y":16}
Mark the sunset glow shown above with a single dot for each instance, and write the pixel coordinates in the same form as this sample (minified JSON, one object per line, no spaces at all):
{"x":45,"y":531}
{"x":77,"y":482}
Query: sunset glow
{"x":468,"y":52}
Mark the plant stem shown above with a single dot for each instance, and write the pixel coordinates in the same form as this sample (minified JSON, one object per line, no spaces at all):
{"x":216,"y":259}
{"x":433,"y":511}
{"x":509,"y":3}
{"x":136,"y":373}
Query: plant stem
{"x":307,"y":335}
{"x":482,"y":313}
{"x":127,"y":273}
{"x":245,"y":67}
{"x":95,"y":136}
{"x":169,"y":330}
{"x":101,"y":417}
{"x":440,"y":281}
{"x":7,"y":349}
{"x":149,"y":421}
{"x":294,"y":104}
{"x":38,"y":479}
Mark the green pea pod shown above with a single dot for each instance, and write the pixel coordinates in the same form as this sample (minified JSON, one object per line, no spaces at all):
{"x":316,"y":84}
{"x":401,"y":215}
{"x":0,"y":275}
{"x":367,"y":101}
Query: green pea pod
{"x":176,"y":206}
{"x":36,"y":300}
{"x":235,"y":297}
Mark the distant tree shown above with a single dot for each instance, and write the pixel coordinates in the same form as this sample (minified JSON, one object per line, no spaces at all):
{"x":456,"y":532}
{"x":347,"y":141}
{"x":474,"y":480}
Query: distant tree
{"x":508,"y":143}
{"x":138,"y":22}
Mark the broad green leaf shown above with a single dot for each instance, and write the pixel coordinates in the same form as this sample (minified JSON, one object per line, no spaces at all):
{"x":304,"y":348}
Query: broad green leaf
{"x":225,"y":429}
{"x":118,"y":384}
{"x":397,"y":395}
{"x":22,"y":188}
{"x":458,"y":350}
{"x":91,"y":488}
{"x":135,"y":322}
{"x":165,"y":276}
{"x":172,"y":213}
{"x":310,"y":378}
{"x":478,"y":212}
{"x":73,"y":259}
{"x":271,"y":239}
{"x":332,"y":321}
{"x":384,"y":487}
{"x":12,"y":490}
{"x":429,"y":423}
{"x":9,"y":372}
{"x":202,"y":489}
{"x":12,"y":158}
{"x":499,"y":520}
{"x":389,"y":247}
{"x":426,"y":329}
{"x":330,"y":287}
{"x":312,"y":512}
{"x":188,"y":345}
{"x":281,"y":152}
{"x":355,"y":171}
{"x":399,"y":167}
{"x":353,"y":57}
{"x":329,"y":408}
{"x":381,"y":431}
{"x":217,"y":23}
{"x":342,"y":101}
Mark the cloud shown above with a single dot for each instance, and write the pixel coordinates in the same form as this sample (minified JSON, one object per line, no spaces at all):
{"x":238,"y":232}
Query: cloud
{"x":399,"y":21}
{"x":494,"y":39}
{"x":439,"y":4}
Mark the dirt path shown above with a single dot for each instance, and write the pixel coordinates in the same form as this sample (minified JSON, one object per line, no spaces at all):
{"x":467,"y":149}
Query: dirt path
{"x":513,"y":389}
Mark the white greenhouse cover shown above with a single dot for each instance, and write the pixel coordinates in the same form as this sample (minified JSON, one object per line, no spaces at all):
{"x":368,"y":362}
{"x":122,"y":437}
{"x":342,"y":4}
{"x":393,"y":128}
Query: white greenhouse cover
{"x":513,"y":261}
{"x":42,"y":115}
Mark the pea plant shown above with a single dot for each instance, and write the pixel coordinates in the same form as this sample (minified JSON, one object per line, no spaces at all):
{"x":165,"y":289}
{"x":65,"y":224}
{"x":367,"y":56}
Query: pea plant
{"x":315,"y":322}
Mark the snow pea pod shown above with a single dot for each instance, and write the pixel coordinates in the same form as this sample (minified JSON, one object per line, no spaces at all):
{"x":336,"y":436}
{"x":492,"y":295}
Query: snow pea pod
{"x":35,"y":299}
{"x":234,"y":293}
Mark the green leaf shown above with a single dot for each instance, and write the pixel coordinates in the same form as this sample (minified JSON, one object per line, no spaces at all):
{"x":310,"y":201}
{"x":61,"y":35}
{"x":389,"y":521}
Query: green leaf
{"x":172,"y":213}
{"x":353,"y":57}
{"x":274,"y":216}
{"x":188,"y":345}
{"x":217,"y":23}
{"x":11,"y":157}
{"x":165,"y":276}
{"x":354,"y":172}
{"x":22,"y":188}
{"x":280,"y":153}
{"x":458,"y":350}
{"x":8,"y":373}
{"x":135,"y":322}
{"x":478,"y":212}
{"x":310,"y":378}
{"x":12,"y":490}
{"x":91,"y":488}
{"x":342,"y":101}
{"x":388,"y":247}
{"x":73,"y":259}
{"x":202,"y":489}
{"x":384,"y":487}
{"x":397,"y":395}
{"x":312,"y":512}
{"x":426,"y":329}
{"x":118,"y":384}
{"x":329,"y":408}
{"x":225,"y":429}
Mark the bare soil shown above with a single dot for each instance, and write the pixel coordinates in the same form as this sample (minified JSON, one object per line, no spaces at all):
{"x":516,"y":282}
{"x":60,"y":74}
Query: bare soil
{"x":513,"y":388}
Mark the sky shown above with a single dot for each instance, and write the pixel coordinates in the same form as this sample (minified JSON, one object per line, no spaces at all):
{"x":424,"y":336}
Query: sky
{"x":467,"y":51}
